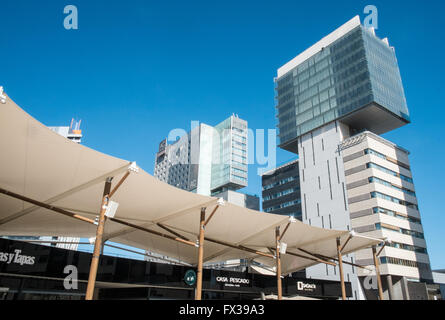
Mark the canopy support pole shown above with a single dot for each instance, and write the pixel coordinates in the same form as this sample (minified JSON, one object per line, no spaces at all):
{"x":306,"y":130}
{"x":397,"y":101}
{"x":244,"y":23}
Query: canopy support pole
{"x":340,"y":266}
{"x":65,"y":194}
{"x":119,"y":183}
{"x":285,"y":229}
{"x":377,"y":272}
{"x":46,"y":206}
{"x":381,"y":249}
{"x":98,"y":243}
{"x":172,"y":232}
{"x":155,"y":222}
{"x":242,"y":248}
{"x":344,"y":245}
{"x":211,"y":215}
{"x":345,"y":262}
{"x":309,"y":258}
{"x":200,"y":254}
{"x":278,"y":262}
{"x":316,"y":256}
{"x":141,"y":228}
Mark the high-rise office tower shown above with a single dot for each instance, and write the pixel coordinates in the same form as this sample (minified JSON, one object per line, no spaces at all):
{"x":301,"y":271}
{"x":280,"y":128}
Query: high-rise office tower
{"x":344,"y":88}
{"x":209,"y":161}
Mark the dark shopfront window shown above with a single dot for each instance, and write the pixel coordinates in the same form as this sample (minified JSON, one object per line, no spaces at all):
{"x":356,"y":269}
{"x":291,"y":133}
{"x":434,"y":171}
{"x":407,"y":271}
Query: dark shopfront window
{"x":31,"y":280}
{"x":172,"y":294}
{"x":38,"y":289}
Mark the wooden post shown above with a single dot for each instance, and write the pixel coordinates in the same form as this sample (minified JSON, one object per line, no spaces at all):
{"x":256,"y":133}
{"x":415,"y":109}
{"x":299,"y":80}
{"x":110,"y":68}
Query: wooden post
{"x":377,"y":272}
{"x":340,"y":267}
{"x":198,"y":295}
{"x":278,"y":263}
{"x":46,"y":206}
{"x":98,"y":243}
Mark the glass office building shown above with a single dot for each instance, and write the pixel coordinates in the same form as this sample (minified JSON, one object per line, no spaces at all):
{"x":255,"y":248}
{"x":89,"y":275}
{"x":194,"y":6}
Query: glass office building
{"x":229,"y":165}
{"x":208,"y":160}
{"x":350,"y":75}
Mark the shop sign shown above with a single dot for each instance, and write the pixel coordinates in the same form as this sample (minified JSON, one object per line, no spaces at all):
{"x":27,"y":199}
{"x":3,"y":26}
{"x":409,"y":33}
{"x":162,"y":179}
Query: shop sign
{"x":190,"y":277}
{"x":232,"y":281}
{"x":308,"y":287}
{"x":17,"y":258}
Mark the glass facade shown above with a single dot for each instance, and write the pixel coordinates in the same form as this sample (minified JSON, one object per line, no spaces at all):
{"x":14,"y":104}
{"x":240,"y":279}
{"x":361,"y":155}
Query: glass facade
{"x":229,"y":163}
{"x":207,"y":160}
{"x":281,"y":191}
{"x":352,"y":72}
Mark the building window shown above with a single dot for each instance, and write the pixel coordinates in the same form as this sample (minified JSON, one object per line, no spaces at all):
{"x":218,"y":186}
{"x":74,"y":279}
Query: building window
{"x":395,"y":200}
{"x":395,"y":214}
{"x":388,"y":171}
{"x":389,"y":184}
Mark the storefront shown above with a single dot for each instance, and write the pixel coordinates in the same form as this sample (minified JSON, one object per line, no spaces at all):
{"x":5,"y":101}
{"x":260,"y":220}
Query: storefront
{"x":29,"y":271}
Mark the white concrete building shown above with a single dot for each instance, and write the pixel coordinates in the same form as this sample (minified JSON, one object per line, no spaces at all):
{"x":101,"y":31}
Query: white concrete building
{"x":383,"y":204}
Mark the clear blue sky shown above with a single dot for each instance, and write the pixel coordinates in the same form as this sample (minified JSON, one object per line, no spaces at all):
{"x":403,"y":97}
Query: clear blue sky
{"x":136,"y":69}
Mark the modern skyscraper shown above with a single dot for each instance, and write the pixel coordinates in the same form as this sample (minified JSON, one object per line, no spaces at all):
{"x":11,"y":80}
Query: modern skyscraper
{"x":327,"y":97}
{"x":209,"y":161}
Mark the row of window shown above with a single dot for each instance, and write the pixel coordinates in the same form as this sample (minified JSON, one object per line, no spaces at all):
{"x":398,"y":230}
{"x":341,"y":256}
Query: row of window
{"x":236,"y":136}
{"x":395,"y":214}
{"x":283,"y":205}
{"x":402,"y":262}
{"x":389,"y":184}
{"x":280,"y":194}
{"x":393,"y":199}
{"x":234,"y":176}
{"x":238,"y":158}
{"x":237,"y":148}
{"x":238,"y":130}
{"x":380,"y":226}
{"x":381,"y":155}
{"x":237,"y":143}
{"x":237,"y":163}
{"x":388,"y":171}
{"x":238,"y":171}
{"x":406,"y":247}
{"x":278,"y":183}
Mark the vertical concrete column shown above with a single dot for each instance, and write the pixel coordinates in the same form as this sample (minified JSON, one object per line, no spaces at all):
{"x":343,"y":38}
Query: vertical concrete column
{"x":404,"y":287}
{"x":390,"y":287}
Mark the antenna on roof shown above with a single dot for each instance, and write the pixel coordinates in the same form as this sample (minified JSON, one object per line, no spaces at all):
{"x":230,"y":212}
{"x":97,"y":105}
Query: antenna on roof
{"x":75,"y":126}
{"x":2,"y":96}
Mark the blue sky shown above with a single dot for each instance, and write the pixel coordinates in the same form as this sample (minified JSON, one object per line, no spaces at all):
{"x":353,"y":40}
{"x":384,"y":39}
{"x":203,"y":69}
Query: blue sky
{"x":136,"y":69}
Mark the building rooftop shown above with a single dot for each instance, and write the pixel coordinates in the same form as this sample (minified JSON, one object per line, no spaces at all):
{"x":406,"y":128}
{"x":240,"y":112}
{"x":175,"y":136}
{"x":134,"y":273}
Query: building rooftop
{"x":329,"y":39}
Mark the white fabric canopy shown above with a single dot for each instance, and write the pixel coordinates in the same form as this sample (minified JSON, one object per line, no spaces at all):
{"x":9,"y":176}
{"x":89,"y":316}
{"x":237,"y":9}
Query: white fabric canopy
{"x":40,"y":164}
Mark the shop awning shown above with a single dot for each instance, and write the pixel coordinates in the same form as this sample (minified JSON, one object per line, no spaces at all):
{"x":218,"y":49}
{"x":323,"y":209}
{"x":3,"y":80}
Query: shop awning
{"x":37,"y":163}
